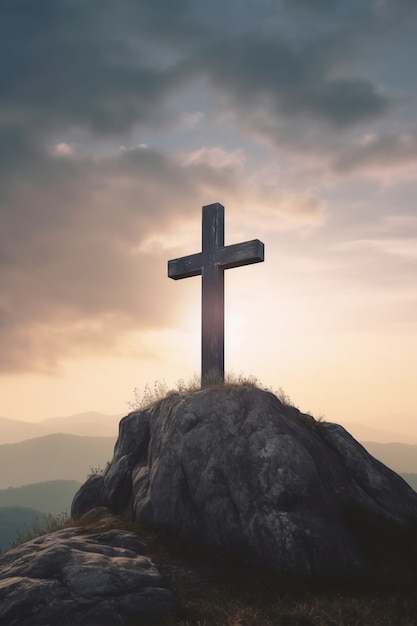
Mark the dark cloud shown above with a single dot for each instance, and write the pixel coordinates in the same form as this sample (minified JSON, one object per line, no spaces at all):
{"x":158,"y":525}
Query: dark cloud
{"x":325,"y":9}
{"x":69,"y":63}
{"x":109,"y":67}
{"x":286,"y":79}
{"x":376,"y":151}
{"x":80,"y":263}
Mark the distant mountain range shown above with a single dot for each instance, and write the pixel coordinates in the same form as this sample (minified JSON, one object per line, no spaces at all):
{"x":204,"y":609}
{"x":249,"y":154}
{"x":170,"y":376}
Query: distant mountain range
{"x":53,"y":457}
{"x":52,"y":496}
{"x":94,"y":424}
{"x":15,"y":520}
{"x":22,"y":508}
{"x":363,"y":432}
{"x":40,"y":474}
{"x":411,"y":479}
{"x":401,"y":457}
{"x":66,"y":448}
{"x":89,"y":424}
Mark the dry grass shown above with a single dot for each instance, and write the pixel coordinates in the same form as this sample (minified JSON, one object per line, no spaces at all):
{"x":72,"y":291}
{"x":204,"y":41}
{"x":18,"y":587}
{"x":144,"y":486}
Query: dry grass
{"x":152,"y":394}
{"x":43,"y":525}
{"x":212,"y":589}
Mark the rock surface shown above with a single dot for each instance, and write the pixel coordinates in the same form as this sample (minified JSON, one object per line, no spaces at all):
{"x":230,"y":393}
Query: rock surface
{"x":70,"y":577}
{"x":236,"y":468}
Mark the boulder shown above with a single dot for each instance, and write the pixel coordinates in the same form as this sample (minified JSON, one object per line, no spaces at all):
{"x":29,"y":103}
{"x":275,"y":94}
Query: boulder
{"x":71,"y":577}
{"x":237,"y":469}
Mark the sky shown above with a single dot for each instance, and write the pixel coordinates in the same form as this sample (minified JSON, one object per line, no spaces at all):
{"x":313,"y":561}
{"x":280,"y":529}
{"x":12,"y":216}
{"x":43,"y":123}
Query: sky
{"x":120,"y":120}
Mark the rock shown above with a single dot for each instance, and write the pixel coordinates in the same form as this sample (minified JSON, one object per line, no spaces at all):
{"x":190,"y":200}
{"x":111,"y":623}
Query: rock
{"x":237,"y":469}
{"x":71,"y":577}
{"x":92,"y":494}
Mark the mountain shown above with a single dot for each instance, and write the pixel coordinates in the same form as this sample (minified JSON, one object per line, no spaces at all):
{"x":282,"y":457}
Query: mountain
{"x":22,"y":508}
{"x":362,"y":432}
{"x":411,"y":479}
{"x":90,"y":424}
{"x":401,"y":457}
{"x":53,"y":496}
{"x":15,"y":519}
{"x":12,"y":431}
{"x":53,"y":457}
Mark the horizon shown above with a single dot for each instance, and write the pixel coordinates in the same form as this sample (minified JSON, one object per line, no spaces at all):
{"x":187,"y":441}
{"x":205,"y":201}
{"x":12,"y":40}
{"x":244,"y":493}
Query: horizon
{"x":359,"y":430}
{"x":298,"y":117}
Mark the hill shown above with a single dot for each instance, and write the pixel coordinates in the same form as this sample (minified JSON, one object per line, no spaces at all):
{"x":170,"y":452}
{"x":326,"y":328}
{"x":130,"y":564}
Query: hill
{"x":401,"y":457}
{"x":364,"y":432}
{"x":411,"y":479}
{"x":12,"y":431}
{"x":14,"y":519}
{"x":53,"y":496}
{"x":53,"y":457}
{"x":88,"y":424}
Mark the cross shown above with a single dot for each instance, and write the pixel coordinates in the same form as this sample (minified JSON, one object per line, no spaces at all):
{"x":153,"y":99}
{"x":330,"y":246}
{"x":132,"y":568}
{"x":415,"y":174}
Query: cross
{"x":210,"y":264}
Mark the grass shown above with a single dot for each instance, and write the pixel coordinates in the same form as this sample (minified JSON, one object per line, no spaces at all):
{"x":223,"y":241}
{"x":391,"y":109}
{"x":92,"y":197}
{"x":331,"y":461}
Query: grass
{"x":211,"y":588}
{"x":217,"y":589}
{"x":41,"y":526}
{"x":98,"y":470}
{"x":152,"y":394}
{"x":214,"y":589}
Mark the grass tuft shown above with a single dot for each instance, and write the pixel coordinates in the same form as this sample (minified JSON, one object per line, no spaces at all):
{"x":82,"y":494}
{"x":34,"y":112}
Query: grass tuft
{"x":98,"y":470}
{"x":151,"y":394}
{"x":41,"y":526}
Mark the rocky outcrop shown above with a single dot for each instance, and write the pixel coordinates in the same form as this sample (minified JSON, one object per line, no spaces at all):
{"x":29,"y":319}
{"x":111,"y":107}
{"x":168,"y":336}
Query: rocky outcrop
{"x":71,"y":577}
{"x":237,"y":469}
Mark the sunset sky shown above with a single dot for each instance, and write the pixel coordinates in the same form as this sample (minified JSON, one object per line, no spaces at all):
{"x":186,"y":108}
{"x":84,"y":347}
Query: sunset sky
{"x":119,"y":120}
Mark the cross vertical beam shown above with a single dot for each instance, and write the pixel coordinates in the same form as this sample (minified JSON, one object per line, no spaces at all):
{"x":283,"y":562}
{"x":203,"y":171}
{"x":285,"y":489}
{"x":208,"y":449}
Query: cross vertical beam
{"x":212,"y":295}
{"x":210,"y":264}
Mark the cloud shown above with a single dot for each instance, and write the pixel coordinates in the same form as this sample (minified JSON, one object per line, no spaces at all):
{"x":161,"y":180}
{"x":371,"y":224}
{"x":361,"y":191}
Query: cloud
{"x":85,"y":242}
{"x":72,"y":64}
{"x":108,"y":69}
{"x":63,"y":149}
{"x":86,"y":228}
{"x":404,"y":248}
{"x":373,"y":152}
{"x":311,"y":80}
{"x":215,"y":157}
{"x":290,"y":80}
{"x":69,"y":272}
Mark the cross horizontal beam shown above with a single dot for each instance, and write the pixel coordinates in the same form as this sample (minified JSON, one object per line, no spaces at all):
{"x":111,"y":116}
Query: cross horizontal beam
{"x":225,"y":258}
{"x":186,"y":266}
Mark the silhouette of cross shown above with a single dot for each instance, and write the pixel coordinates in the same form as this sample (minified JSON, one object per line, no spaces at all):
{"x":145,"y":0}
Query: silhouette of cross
{"x":211,"y":263}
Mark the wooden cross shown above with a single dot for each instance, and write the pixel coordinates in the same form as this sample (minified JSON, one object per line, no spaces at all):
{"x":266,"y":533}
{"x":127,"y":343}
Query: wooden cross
{"x":211,"y":263}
